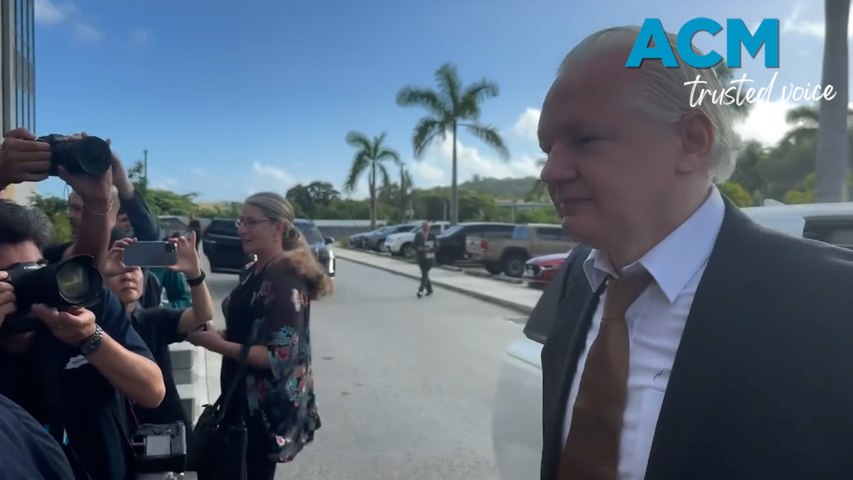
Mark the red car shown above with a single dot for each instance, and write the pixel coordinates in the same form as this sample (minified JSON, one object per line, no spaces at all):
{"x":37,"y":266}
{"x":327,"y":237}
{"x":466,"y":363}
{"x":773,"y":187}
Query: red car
{"x":539,"y":271}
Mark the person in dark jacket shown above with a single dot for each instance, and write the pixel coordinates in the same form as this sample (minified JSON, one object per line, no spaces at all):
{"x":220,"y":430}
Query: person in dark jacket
{"x":425,"y":246}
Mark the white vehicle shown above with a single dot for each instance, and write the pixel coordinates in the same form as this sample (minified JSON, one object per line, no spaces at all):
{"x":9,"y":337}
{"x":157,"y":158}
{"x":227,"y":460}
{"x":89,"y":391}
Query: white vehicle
{"x":517,"y":414}
{"x":404,"y":243}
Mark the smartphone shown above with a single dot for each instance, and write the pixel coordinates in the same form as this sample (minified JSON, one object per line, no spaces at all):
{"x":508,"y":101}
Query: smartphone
{"x":151,"y":254}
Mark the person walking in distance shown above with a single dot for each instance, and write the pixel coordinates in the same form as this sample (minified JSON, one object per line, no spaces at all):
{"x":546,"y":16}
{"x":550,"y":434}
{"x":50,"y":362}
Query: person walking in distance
{"x":425,"y":246}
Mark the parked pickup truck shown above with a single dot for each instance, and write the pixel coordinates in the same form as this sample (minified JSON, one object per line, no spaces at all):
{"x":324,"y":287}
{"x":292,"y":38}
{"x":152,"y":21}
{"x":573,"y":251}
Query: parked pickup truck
{"x":509,"y":255}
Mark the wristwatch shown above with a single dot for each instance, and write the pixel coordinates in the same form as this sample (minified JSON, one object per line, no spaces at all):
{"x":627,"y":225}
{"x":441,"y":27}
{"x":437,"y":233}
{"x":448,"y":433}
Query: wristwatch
{"x":91,"y":344}
{"x":194,"y":282}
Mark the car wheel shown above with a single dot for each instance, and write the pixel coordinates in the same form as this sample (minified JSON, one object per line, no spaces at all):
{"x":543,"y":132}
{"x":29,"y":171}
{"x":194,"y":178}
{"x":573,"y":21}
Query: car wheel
{"x":408,"y":250}
{"x":494,"y":269}
{"x":514,"y":265}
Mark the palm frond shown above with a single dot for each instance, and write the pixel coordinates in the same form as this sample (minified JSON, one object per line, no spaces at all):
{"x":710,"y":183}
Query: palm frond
{"x":383,"y":173}
{"x":448,"y":82}
{"x":490,"y":136}
{"x":360,"y":163}
{"x":423,"y":97}
{"x":425,"y":132}
{"x":388,"y":154}
{"x":473,"y":97}
{"x":358,"y":140}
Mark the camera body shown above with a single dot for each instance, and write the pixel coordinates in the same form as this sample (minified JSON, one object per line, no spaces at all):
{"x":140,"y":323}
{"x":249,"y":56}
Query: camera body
{"x":160,"y":448}
{"x":87,"y":156}
{"x":74,"y":281}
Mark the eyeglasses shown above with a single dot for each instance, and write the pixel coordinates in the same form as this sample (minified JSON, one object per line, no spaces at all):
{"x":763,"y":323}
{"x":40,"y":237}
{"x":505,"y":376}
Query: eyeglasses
{"x":249,"y":222}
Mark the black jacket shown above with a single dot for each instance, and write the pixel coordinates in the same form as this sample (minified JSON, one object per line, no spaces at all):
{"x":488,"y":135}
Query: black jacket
{"x":762,"y":384}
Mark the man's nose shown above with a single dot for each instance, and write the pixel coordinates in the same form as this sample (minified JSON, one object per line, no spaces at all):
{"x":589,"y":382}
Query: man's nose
{"x":559,"y":167}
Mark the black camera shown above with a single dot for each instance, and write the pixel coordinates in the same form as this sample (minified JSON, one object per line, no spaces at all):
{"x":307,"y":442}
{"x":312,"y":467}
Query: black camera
{"x":89,"y":155}
{"x":74,"y":281}
{"x":160,"y":448}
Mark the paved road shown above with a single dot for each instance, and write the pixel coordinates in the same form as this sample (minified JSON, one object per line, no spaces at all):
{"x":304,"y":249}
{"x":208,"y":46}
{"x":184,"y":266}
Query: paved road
{"x":405,"y":386}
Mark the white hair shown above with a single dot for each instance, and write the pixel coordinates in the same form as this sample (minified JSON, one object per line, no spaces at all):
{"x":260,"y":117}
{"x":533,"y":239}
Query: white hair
{"x":663,"y":94}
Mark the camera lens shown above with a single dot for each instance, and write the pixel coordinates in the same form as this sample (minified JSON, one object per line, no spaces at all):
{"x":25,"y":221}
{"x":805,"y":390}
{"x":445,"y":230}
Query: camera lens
{"x":171,"y":247}
{"x":72,"y":279}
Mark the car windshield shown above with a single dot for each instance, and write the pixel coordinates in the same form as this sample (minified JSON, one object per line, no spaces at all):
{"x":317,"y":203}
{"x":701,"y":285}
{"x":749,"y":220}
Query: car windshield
{"x":310,"y":232}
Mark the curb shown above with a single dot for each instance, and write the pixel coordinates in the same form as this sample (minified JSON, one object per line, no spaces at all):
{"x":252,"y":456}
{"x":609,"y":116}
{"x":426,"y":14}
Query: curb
{"x":471,"y":293}
{"x":477,"y":273}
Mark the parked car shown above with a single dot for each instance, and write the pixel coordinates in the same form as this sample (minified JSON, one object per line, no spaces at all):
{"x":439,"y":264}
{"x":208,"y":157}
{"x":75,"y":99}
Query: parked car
{"x":376,"y":240}
{"x":404,"y":243}
{"x":450,"y":246}
{"x":224,"y":249}
{"x":517,"y":413}
{"x":539,"y":271}
{"x":509,"y":255}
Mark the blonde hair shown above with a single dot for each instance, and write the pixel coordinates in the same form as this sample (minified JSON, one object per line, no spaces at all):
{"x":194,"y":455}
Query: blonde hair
{"x":298,"y":257}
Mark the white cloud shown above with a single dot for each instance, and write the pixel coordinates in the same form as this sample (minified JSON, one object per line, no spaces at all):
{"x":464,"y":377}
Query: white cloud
{"x":528,"y":124}
{"x":765,"y":122}
{"x":86,"y":32}
{"x":797,"y":23}
{"x":48,"y":14}
{"x":272,"y":177}
{"x":140,"y":36}
{"x":435,"y":168}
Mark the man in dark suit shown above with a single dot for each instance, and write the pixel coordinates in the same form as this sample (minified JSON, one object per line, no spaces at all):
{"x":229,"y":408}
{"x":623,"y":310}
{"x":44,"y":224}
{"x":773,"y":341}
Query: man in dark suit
{"x":687,"y":341}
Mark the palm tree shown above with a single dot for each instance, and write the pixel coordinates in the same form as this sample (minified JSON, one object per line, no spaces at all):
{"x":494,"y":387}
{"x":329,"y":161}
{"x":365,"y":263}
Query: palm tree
{"x":450,"y":108}
{"x":405,"y":187}
{"x":538,"y":191}
{"x":833,"y":147}
{"x":370,"y":156}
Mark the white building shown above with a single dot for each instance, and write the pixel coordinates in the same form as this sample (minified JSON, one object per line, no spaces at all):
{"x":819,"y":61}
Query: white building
{"x":17,"y":77}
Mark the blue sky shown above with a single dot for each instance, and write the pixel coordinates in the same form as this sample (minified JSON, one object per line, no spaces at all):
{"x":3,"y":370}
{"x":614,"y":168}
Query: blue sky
{"x":234,"y":97}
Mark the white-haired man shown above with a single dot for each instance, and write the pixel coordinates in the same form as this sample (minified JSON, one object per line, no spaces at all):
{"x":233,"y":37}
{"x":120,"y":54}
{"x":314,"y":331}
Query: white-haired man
{"x":740,"y":339}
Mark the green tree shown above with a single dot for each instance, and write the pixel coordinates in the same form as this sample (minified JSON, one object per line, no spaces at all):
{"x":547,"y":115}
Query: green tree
{"x":56,"y":210}
{"x":371,"y":157}
{"x":310,"y":200}
{"x":136,"y":174}
{"x":736,"y":193}
{"x":450,"y":108}
{"x":164,"y":202}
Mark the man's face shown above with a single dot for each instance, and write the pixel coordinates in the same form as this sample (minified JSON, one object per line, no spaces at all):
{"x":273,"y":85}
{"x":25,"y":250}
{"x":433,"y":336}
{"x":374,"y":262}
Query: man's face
{"x":123,"y":224}
{"x":128,"y":286}
{"x":609,"y":166}
{"x":75,"y":212}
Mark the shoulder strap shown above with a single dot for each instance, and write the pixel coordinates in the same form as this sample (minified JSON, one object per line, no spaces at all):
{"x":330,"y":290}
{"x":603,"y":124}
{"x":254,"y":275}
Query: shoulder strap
{"x":224,"y":401}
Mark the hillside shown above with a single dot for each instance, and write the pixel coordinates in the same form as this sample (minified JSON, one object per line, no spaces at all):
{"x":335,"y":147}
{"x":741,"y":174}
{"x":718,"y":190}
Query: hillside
{"x":500,"y":188}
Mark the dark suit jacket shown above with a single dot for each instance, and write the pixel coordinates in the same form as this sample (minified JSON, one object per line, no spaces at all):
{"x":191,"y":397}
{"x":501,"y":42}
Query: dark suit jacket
{"x":762,"y":384}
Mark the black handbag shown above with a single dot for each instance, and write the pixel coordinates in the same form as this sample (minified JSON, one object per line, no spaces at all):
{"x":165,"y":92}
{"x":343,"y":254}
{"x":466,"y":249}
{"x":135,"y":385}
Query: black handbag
{"x":219,"y":448}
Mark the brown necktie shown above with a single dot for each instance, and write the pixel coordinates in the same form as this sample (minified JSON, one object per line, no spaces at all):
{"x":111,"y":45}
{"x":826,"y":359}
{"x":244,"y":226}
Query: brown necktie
{"x":592,"y":448}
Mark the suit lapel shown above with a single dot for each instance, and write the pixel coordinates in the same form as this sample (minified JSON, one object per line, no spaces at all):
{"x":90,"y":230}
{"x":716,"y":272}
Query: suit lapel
{"x":715,"y":326}
{"x":560,"y":355}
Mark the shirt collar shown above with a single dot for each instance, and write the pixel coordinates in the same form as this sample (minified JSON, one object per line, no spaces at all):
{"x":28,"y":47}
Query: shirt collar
{"x":677,"y":258}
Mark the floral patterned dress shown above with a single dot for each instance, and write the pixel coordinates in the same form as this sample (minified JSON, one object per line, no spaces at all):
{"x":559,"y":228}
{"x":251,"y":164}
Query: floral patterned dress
{"x":279,"y":404}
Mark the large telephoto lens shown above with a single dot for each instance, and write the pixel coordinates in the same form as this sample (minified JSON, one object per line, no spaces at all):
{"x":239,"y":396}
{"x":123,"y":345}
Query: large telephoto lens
{"x":89,"y":156}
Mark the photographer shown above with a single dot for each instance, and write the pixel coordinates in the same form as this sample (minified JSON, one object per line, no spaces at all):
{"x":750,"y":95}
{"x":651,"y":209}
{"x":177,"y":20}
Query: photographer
{"x":160,"y":327}
{"x":68,"y":371}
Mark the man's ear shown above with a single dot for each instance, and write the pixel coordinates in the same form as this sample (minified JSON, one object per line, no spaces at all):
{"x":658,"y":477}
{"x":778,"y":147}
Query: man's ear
{"x":697,"y":140}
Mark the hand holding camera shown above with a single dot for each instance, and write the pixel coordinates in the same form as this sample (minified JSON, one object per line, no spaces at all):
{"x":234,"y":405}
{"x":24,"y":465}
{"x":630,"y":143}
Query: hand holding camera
{"x":22,"y":159}
{"x":7,"y":299}
{"x":71,"y":326}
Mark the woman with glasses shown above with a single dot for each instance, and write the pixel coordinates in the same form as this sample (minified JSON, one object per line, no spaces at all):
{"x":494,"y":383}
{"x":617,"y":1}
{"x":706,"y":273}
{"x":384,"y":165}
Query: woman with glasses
{"x":270,"y":309}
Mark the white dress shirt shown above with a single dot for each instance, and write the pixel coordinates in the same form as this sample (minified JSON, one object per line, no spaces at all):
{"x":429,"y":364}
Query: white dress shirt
{"x":656,"y":321}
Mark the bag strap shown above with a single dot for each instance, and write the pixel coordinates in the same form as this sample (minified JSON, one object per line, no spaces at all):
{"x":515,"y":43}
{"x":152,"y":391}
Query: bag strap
{"x":224,"y":401}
